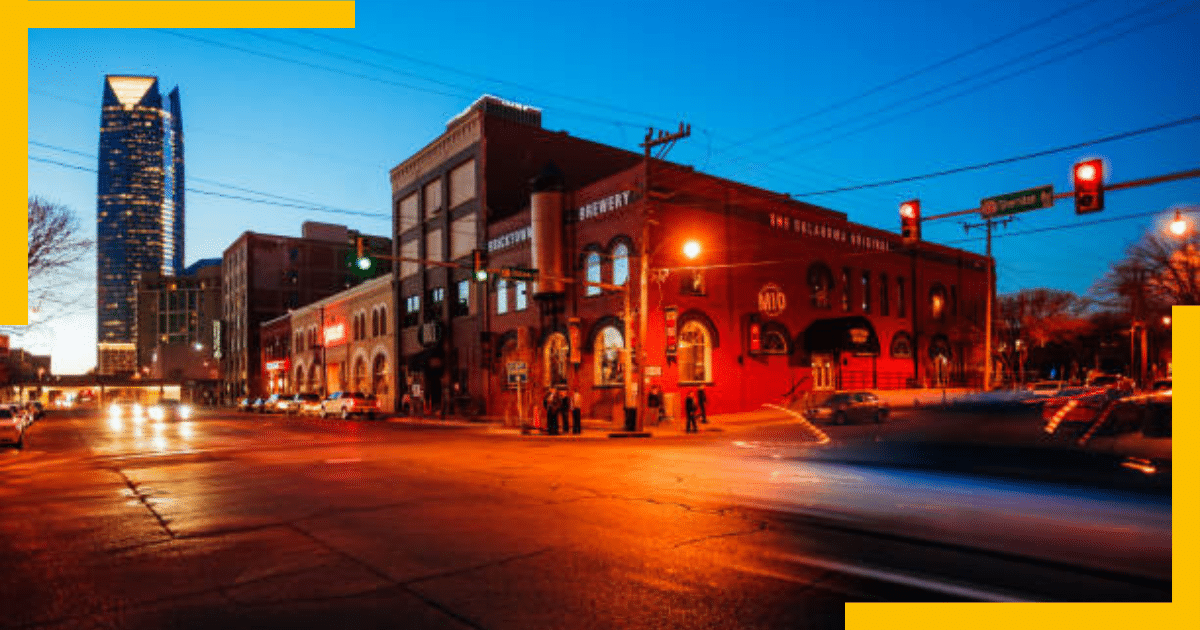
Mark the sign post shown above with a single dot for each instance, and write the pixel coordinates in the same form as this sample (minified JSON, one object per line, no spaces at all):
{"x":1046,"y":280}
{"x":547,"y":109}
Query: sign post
{"x":1020,"y":201}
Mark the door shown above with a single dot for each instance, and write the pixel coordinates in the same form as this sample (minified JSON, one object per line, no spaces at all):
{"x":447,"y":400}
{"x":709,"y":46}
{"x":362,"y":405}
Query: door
{"x":822,"y":372}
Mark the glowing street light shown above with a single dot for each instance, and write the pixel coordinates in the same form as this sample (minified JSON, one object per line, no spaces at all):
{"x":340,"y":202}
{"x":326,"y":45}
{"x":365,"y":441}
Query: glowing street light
{"x":691,"y":249}
{"x":1179,"y":225}
{"x":1166,"y":320}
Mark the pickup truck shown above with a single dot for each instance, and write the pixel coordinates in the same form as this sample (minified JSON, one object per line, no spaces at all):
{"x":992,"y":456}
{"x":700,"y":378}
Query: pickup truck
{"x":348,"y":404}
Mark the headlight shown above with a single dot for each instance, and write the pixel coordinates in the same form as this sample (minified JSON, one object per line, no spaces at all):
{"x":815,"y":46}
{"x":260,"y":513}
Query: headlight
{"x":185,"y":412}
{"x":137,"y":409}
{"x":114,"y":409}
{"x":156,"y":412}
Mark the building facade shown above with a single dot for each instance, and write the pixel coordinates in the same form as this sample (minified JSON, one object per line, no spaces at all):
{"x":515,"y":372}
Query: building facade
{"x":342,"y":343}
{"x":444,"y":196}
{"x":784,"y":298}
{"x":139,"y":209}
{"x":264,"y":276}
{"x":175,"y":323}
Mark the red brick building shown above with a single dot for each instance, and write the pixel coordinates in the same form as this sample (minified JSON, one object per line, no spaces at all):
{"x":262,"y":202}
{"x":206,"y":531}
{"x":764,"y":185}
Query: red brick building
{"x":783,"y":298}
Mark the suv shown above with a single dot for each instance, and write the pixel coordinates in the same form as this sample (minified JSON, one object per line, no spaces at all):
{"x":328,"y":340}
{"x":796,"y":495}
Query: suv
{"x":349,"y":404}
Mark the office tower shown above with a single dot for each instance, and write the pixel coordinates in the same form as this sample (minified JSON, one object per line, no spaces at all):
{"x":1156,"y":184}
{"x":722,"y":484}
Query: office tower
{"x":139,"y":208}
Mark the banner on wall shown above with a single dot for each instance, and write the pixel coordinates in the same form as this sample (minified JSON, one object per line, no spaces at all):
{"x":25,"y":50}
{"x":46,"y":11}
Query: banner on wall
{"x":672,"y":324}
{"x":573,"y":335}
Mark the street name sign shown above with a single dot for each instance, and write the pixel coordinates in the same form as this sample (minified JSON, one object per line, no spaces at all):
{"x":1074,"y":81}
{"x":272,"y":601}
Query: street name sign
{"x":1021,"y":201}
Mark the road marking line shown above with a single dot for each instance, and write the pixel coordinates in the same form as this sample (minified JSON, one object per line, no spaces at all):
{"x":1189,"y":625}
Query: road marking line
{"x":906,"y":580}
{"x":346,"y":460}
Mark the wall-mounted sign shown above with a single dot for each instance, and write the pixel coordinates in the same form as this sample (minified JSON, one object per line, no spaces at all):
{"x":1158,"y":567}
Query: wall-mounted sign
{"x":829,"y":232}
{"x":771,"y":300}
{"x":335,"y":334}
{"x":429,"y":333}
{"x":605,"y":205}
{"x":505,"y":241}
{"x":217,"y":340}
{"x":671,"y":315}
{"x":653,"y":370}
{"x":276,"y":366}
{"x":859,"y":335}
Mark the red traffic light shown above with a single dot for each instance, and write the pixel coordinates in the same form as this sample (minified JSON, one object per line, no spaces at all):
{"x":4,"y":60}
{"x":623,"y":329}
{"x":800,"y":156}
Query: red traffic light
{"x":1089,"y":186}
{"x":910,"y":220}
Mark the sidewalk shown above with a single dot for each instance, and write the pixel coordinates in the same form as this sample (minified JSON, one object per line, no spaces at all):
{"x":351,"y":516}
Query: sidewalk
{"x":595,"y":428}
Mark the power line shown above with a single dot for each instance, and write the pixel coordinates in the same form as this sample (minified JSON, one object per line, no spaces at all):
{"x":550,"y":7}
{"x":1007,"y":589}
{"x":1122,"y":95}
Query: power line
{"x":374,"y":215}
{"x":1026,"y":156}
{"x":1064,"y":226}
{"x":307,"y":204}
{"x":882,"y":86}
{"x":970,"y":89}
{"x":975,"y":88}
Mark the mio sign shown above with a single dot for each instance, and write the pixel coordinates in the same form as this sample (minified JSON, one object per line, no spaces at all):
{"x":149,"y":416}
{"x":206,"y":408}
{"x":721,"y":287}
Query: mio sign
{"x":771,"y":300}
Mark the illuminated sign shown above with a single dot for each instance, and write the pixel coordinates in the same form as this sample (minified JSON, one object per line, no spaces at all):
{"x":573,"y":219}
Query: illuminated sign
{"x":771,"y":300}
{"x":605,"y":205}
{"x":335,"y":334}
{"x":671,"y":317}
{"x":276,"y":366}
{"x":859,"y":335}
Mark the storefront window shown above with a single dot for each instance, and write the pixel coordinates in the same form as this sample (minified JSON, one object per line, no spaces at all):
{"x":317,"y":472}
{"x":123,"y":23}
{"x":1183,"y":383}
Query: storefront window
{"x":593,"y":273}
{"x":620,"y":261}
{"x":695,"y":353}
{"x":820,"y":281}
{"x":380,"y":386}
{"x":607,"y":352}
{"x":937,"y":302}
{"x":360,"y":375}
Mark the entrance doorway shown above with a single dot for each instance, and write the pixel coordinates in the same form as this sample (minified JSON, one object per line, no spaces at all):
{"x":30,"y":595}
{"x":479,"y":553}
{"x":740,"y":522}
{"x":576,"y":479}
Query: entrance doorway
{"x":822,"y":372}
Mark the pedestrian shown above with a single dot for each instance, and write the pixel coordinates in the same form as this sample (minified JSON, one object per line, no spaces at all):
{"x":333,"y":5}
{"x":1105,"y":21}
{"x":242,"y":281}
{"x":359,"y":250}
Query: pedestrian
{"x":701,"y":399}
{"x":548,"y":404}
{"x":577,"y":413}
{"x":564,"y":411}
{"x":654,"y":404}
{"x":689,"y":406}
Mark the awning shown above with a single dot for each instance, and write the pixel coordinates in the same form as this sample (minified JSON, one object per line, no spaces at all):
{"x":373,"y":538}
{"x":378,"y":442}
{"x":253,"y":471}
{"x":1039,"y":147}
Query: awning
{"x":841,"y":334}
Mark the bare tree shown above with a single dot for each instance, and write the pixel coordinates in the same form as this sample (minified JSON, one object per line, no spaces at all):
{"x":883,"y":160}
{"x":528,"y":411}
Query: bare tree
{"x":1157,"y":272}
{"x":54,"y":238}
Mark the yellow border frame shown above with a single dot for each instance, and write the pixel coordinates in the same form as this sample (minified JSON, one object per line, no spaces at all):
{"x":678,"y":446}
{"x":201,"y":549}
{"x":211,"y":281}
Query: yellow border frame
{"x":24,"y":15}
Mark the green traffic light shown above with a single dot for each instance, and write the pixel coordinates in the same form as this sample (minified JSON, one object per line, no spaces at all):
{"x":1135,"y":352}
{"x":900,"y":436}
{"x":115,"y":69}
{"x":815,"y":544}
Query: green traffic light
{"x":364,"y":263}
{"x":481,"y":276}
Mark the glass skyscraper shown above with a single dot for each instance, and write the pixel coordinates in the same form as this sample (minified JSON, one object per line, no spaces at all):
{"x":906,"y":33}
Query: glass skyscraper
{"x":139,"y":208}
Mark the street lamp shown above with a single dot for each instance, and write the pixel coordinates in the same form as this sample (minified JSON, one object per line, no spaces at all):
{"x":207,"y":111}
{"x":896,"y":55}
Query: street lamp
{"x":691,"y":249}
{"x":1179,"y":225}
{"x":1166,"y":320}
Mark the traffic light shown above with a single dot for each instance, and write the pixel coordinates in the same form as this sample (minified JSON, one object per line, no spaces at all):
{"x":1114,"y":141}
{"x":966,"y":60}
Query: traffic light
{"x":755,"y":337}
{"x":910,"y":221}
{"x":480,"y":266}
{"x":362,"y":263}
{"x":1088,"y":178}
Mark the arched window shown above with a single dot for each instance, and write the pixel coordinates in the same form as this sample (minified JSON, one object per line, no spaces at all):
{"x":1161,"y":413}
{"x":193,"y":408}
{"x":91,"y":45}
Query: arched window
{"x":299,"y":381}
{"x":374,"y":323}
{"x":501,"y":297}
{"x":774,"y":342}
{"x":620,"y":263}
{"x":820,"y":283}
{"x":695,"y":353}
{"x":593,"y":272}
{"x":383,"y":327}
{"x":314,"y":383}
{"x":606,"y":353}
{"x":555,"y":355}
{"x":937,"y":302}
{"x":379,"y":385}
{"x":360,"y":375}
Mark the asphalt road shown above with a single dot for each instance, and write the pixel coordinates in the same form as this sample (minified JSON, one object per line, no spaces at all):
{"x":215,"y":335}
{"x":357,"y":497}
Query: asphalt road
{"x":241,"y":521}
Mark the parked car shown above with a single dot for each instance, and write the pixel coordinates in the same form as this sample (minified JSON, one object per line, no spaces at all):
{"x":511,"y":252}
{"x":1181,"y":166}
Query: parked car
{"x":1161,"y":385}
{"x":348,"y":404}
{"x":269,"y":404}
{"x":246,"y":404}
{"x":843,"y":407}
{"x":1046,"y":388}
{"x":1114,"y":383}
{"x":165,"y":410}
{"x":35,"y":410}
{"x":12,"y":427}
{"x":305,"y":404}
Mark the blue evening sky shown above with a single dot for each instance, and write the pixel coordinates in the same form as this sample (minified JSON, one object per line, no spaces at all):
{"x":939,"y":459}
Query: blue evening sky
{"x":774,"y":92}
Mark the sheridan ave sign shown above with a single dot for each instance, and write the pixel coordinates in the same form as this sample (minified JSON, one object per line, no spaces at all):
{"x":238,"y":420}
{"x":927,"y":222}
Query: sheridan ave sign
{"x":1012,"y":203}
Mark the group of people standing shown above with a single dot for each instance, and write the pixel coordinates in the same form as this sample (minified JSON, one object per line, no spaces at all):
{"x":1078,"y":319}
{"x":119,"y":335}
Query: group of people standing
{"x":567,"y":407}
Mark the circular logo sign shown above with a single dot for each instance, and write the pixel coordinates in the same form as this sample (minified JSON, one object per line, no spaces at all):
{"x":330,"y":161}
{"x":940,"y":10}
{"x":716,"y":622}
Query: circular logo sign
{"x":771,"y":300}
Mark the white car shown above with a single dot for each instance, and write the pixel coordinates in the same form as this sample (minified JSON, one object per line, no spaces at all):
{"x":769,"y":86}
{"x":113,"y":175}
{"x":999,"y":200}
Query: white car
{"x":12,"y":426}
{"x":346,"y":404}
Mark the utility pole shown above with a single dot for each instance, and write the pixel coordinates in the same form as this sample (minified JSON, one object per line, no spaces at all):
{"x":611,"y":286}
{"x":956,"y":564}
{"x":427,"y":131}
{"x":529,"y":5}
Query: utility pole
{"x":991,"y":286}
{"x":635,"y":389}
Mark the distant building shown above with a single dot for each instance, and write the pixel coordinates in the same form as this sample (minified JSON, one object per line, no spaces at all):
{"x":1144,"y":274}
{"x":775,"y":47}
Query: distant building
{"x":175,"y":323}
{"x":139,"y":208}
{"x":265,"y":275}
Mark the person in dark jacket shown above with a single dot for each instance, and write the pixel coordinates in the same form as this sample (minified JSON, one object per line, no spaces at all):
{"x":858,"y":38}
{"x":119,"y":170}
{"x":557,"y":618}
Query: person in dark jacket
{"x":576,"y":413}
{"x":689,"y":406}
{"x":701,"y":399}
{"x":551,"y":408}
{"x":564,"y":411}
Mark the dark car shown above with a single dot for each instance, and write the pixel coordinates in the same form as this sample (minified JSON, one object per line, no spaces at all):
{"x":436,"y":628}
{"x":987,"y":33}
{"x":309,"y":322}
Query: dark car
{"x":165,"y":410}
{"x":1137,"y":428}
{"x":246,"y":404}
{"x":1161,"y":385}
{"x":843,"y":407}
